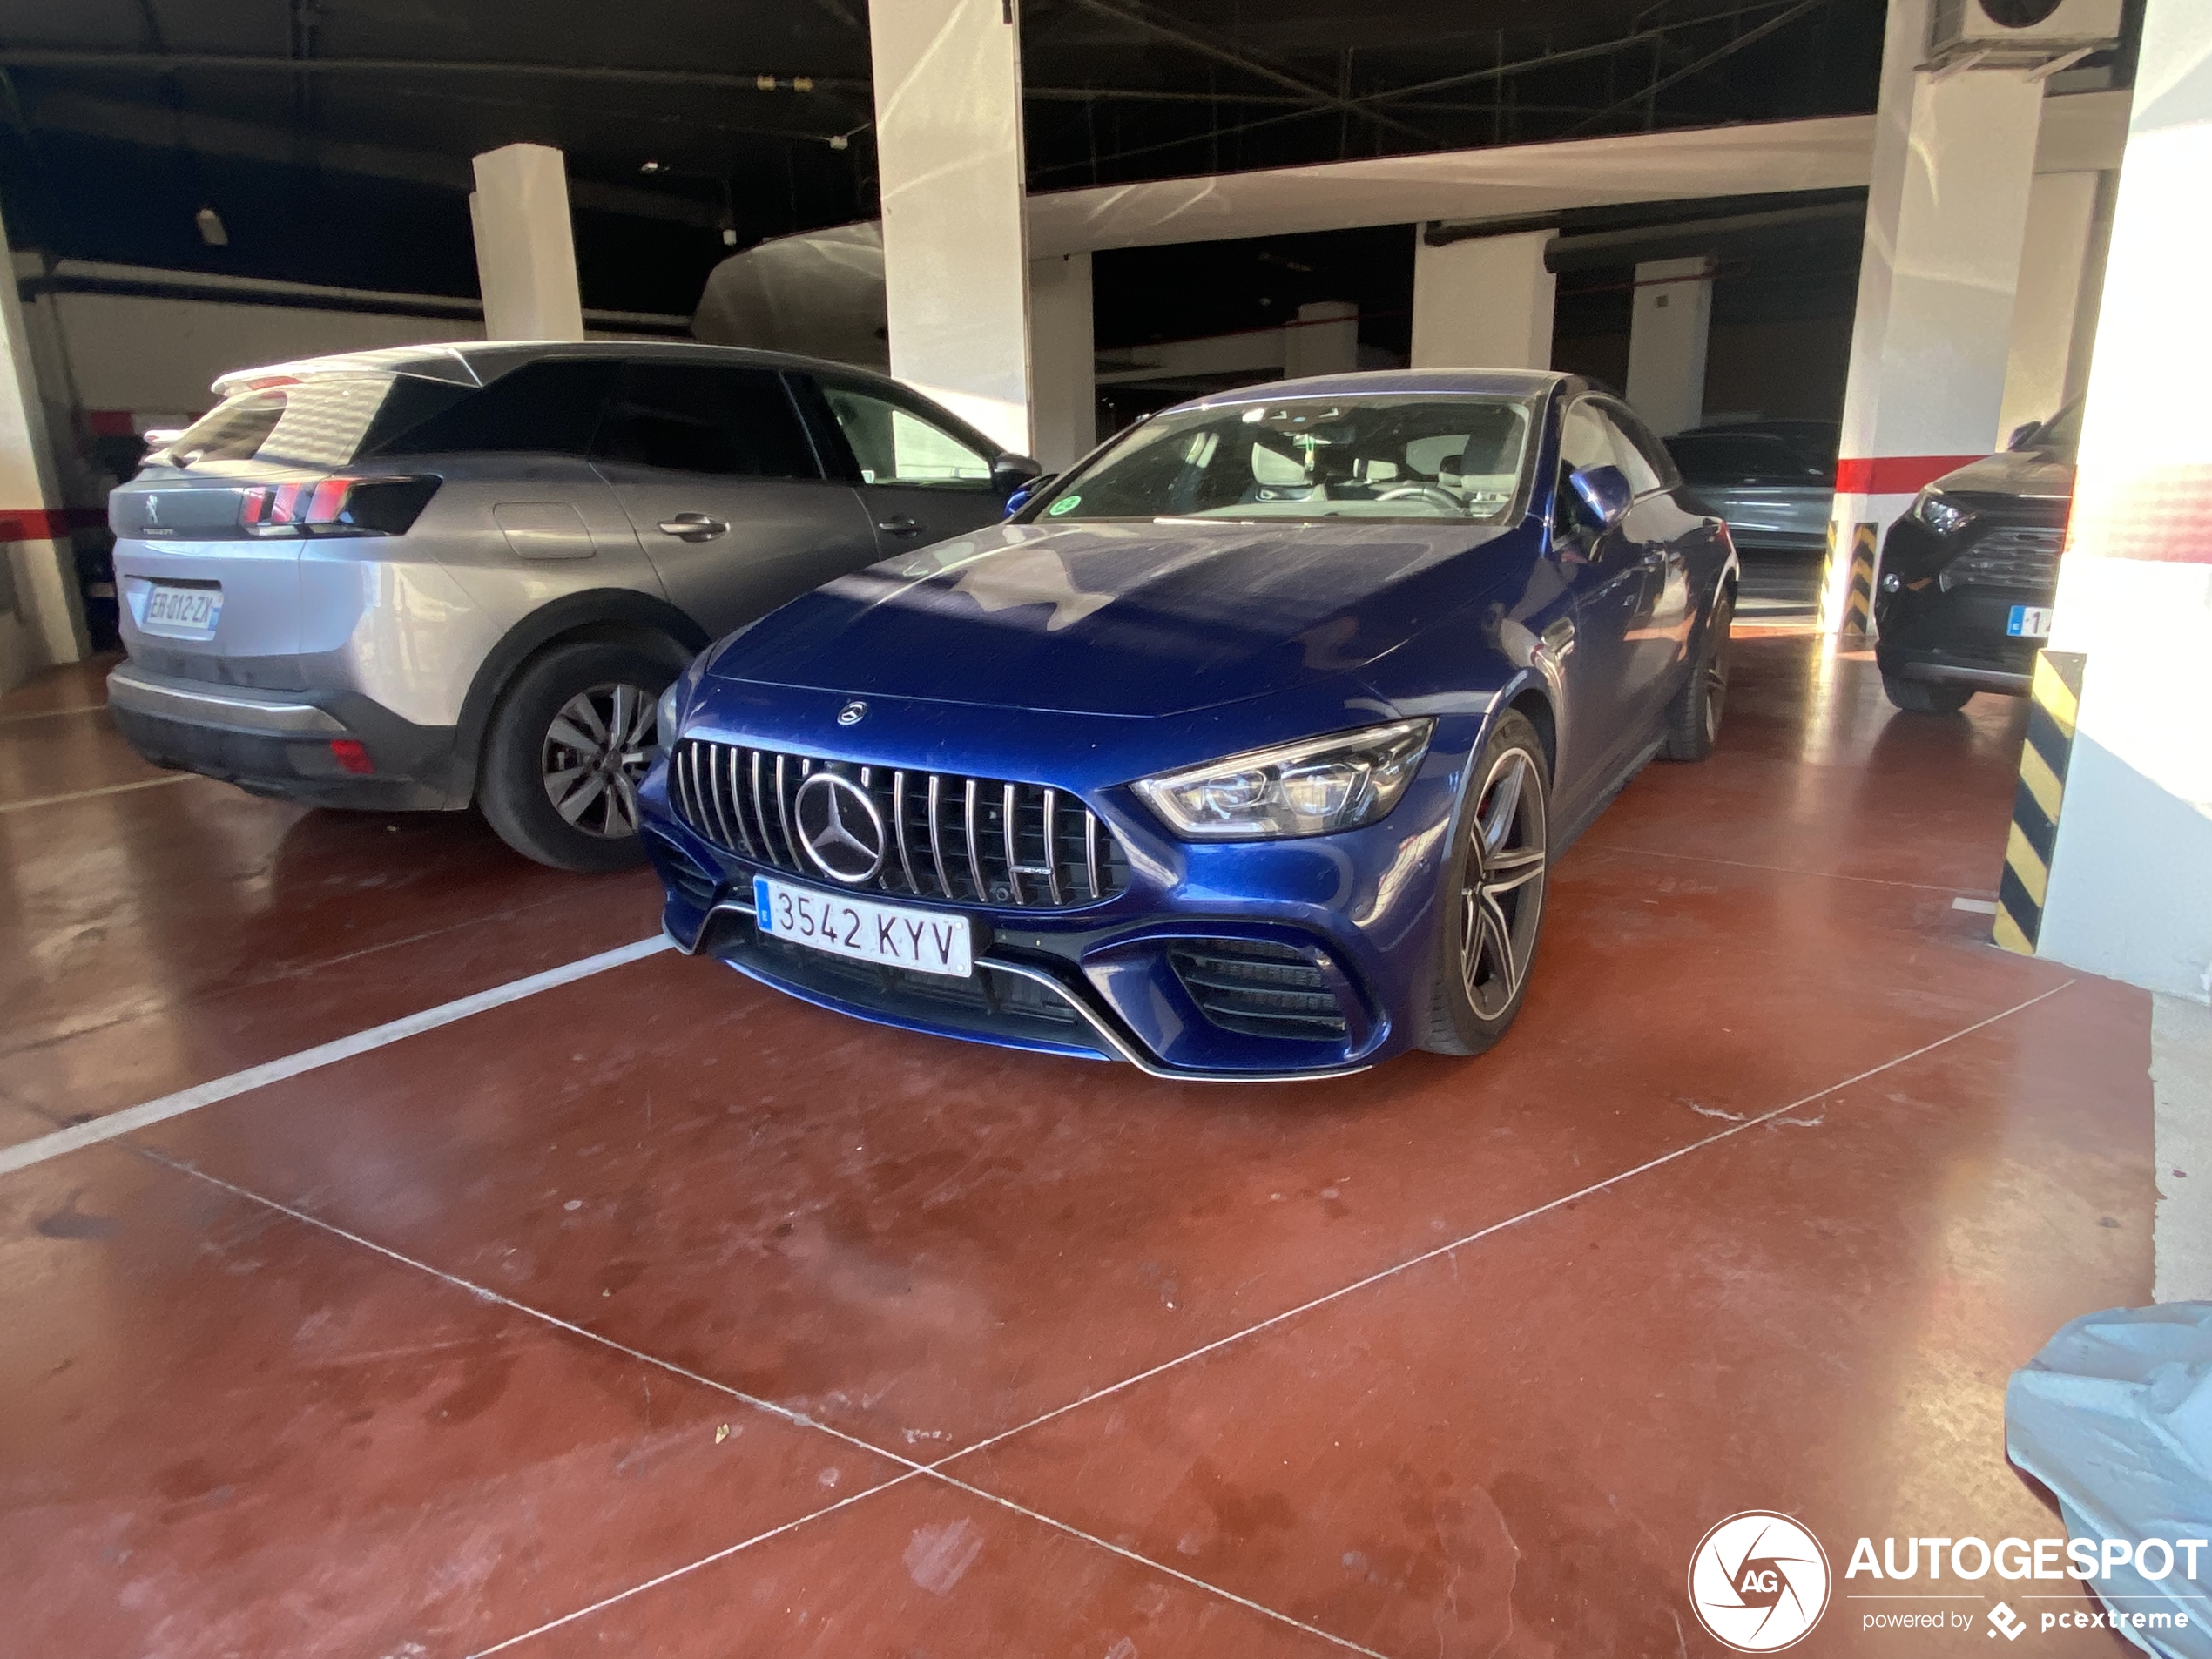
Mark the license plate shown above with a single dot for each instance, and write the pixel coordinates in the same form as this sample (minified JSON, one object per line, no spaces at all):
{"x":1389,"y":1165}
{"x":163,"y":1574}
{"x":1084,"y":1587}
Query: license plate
{"x":890,"y":936}
{"x":188,"y":613}
{"x":2029,"y":622}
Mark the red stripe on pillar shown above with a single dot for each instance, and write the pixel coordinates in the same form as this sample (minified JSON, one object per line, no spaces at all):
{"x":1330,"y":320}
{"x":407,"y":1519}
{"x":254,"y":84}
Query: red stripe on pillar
{"x":1893,"y":475}
{"x":111,"y":423}
{"x":41,"y":524}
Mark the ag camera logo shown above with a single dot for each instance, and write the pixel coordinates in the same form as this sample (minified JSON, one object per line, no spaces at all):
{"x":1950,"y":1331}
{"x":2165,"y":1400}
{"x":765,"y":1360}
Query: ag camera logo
{"x":1758,"y":1581}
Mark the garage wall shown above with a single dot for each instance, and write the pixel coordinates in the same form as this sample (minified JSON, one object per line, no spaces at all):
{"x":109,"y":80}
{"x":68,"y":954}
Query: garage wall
{"x":160,"y":355}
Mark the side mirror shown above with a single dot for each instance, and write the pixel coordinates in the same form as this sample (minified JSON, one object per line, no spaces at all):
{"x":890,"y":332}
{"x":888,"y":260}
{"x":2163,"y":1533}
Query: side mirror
{"x":2023,"y":434}
{"x":1603,"y":493}
{"x":1010,"y":472}
{"x":1027,"y":490}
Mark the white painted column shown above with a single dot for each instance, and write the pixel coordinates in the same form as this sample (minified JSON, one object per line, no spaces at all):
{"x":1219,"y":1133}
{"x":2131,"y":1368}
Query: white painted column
{"x":1483,"y":303}
{"x":1946,"y":214}
{"x":1668,"y":329}
{"x":42,"y":612}
{"x":1324,"y":341}
{"x":2062,"y":218}
{"x":2130,"y":877}
{"x":1064,"y":361}
{"x":525,"y":244}
{"x":956,"y":261}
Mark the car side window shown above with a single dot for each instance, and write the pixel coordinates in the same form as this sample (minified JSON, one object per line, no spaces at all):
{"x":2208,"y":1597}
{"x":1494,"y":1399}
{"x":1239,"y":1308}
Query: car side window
{"x":1643,"y":458}
{"x":705,"y":418}
{"x":894,"y":445}
{"x":550,"y":406}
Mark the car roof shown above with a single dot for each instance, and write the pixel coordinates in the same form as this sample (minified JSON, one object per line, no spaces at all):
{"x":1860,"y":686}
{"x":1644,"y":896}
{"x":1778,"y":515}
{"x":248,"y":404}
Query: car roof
{"x":1494,"y":382}
{"x":478,"y":363}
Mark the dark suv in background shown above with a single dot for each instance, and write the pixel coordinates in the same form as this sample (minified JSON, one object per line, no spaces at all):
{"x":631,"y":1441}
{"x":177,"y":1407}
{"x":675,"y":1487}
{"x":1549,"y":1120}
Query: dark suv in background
{"x":1969,"y":573}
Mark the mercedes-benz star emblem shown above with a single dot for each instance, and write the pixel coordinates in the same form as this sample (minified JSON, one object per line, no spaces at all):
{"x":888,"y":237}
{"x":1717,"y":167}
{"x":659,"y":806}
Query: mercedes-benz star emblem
{"x":839,"y":827}
{"x":851,"y":713}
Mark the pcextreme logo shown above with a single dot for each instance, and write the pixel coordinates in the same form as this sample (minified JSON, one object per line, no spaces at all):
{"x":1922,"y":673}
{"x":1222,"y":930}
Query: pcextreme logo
{"x":1758,"y":1581}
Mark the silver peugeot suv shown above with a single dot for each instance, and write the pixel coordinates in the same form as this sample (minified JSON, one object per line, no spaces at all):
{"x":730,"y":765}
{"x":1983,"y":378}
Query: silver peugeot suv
{"x":444,"y":575}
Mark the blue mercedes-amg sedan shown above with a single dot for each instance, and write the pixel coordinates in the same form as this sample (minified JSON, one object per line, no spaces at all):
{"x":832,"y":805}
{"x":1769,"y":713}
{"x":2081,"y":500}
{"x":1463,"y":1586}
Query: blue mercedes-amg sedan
{"x":1238,"y":751}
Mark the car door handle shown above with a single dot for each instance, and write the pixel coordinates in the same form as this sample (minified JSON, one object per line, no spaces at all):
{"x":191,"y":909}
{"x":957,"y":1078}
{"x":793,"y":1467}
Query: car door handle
{"x":694,"y":526}
{"x":900,"y":524}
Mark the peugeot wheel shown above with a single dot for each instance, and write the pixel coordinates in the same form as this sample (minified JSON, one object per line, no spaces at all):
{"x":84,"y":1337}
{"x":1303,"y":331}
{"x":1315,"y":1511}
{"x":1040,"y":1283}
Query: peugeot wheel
{"x":571,"y":741}
{"x":1494,"y":894}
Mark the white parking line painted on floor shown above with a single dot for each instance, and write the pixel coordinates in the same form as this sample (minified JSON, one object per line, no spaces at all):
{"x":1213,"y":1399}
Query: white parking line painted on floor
{"x":88,"y":794}
{"x":1977,"y":906}
{"x":1480,"y":1233}
{"x":94,"y":1130}
{"x":937,"y":1470}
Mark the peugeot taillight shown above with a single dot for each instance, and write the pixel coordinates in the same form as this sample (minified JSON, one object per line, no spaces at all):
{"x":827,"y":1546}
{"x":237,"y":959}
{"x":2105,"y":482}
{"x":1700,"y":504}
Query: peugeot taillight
{"x":336,"y":506}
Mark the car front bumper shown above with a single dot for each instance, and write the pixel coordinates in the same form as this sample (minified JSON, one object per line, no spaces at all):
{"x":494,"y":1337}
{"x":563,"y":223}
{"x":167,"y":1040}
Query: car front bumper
{"x":279,"y":743}
{"x":1162,"y":973}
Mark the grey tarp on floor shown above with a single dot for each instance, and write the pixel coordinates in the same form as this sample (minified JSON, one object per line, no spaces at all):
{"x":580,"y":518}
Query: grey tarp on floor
{"x":2115,"y":1415}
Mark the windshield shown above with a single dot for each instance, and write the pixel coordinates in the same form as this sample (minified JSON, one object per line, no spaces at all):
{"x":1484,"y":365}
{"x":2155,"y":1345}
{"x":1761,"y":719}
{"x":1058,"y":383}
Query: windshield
{"x":1312,"y":458}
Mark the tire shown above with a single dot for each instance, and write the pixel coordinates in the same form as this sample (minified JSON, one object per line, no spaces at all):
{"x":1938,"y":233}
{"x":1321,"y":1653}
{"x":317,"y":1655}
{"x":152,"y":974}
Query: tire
{"x":1497,"y":873}
{"x":551,"y":732}
{"x":1925,"y":697}
{"x":1694,"y":718}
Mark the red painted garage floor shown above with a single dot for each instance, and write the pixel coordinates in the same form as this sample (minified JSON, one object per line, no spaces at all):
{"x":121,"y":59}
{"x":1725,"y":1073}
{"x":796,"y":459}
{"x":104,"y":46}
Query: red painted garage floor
{"x":659,"y":1314}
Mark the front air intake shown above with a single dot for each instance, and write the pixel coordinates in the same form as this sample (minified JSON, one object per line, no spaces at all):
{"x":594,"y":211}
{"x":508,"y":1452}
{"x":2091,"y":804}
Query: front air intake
{"x":1259,"y":989}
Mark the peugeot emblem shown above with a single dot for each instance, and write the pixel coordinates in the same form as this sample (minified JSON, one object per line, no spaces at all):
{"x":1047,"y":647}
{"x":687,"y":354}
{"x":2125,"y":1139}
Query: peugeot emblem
{"x":839,"y":828}
{"x":851,"y":713}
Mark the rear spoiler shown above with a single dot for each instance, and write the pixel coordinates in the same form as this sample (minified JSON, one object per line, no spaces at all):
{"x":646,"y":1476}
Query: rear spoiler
{"x":428,"y":362}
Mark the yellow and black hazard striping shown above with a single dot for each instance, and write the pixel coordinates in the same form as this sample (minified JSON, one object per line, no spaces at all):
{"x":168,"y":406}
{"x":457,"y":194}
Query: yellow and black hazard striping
{"x":2055,"y":698}
{"x":1858,"y":595}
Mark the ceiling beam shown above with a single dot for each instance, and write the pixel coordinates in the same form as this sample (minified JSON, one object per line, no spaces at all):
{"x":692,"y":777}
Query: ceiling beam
{"x":1651,"y":94}
{"x":1191,"y":40}
{"x":161,"y":63}
{"x":159,"y":127}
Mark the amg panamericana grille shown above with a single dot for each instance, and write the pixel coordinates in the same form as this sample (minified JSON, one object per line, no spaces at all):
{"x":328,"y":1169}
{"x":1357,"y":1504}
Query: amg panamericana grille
{"x":974,"y":840}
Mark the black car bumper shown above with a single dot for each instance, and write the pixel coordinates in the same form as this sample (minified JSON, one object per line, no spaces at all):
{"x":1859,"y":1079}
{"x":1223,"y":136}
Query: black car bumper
{"x":294,"y":745}
{"x":1944,"y":607}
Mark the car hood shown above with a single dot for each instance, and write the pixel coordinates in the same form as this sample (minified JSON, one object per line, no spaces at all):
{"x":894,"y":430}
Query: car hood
{"x":1118,"y":618}
{"x":2012,"y":472}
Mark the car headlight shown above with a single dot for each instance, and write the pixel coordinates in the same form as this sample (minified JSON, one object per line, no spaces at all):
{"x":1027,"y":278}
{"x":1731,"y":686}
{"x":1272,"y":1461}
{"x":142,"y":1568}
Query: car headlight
{"x":1938,"y":515}
{"x":1312,"y":787}
{"x":666,"y":712}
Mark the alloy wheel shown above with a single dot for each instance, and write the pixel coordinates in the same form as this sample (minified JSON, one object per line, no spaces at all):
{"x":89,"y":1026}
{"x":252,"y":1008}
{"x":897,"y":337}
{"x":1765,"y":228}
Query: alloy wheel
{"x":597,"y":752}
{"x":1503,"y":897}
{"x":1717,"y":671}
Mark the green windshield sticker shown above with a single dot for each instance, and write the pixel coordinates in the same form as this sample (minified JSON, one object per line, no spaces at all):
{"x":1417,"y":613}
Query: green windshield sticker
{"x":1065,"y":504}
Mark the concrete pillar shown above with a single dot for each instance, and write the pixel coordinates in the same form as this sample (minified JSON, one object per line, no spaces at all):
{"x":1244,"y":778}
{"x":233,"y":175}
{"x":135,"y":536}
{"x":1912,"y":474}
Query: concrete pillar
{"x":525,"y":246}
{"x":42,"y":612}
{"x":2130,"y":876}
{"x":956,"y":261}
{"x":1483,"y":303}
{"x":1063,"y":360}
{"x":1668,"y":329}
{"x":1946,"y":214}
{"x":1324,"y":341}
{"x":2054,"y":276}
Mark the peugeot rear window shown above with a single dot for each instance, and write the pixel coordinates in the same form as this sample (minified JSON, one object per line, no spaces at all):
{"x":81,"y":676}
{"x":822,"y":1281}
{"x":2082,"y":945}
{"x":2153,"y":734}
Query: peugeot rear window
{"x":327,"y":421}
